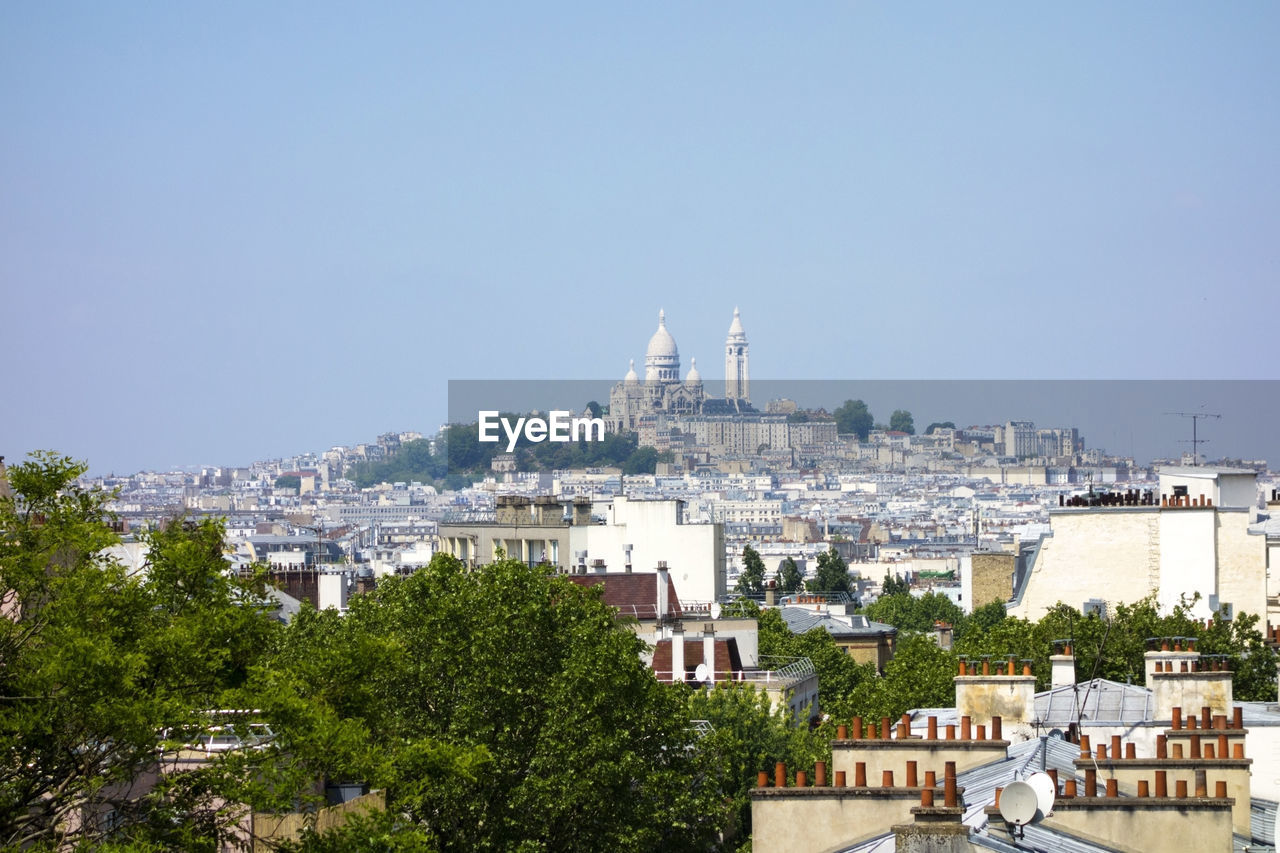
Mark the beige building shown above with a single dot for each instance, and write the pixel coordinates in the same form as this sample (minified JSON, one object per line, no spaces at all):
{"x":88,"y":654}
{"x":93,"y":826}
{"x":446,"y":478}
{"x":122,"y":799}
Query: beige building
{"x":1194,"y":540}
{"x":635,"y":534}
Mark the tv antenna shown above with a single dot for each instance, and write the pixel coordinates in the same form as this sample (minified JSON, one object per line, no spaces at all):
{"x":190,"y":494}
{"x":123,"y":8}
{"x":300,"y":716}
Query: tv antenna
{"x":1195,"y":441}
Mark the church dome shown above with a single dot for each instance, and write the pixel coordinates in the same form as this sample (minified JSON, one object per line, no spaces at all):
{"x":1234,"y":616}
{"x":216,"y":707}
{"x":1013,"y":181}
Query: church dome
{"x":662,"y":345}
{"x":694,"y":377}
{"x":631,"y":378}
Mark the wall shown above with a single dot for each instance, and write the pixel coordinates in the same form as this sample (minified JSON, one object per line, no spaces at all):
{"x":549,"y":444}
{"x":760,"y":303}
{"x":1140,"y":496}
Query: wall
{"x":1128,"y":772}
{"x":818,"y":820}
{"x":1107,"y":553}
{"x":1242,"y":564}
{"x":880,"y":755}
{"x":1188,"y":556}
{"x":1146,"y":826}
{"x":992,"y":578}
{"x":1010,"y":697}
{"x":694,"y":553}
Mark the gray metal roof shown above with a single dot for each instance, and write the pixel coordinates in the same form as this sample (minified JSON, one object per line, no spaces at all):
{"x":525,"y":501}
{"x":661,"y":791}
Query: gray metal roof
{"x":1095,"y":702}
{"x":800,"y":620}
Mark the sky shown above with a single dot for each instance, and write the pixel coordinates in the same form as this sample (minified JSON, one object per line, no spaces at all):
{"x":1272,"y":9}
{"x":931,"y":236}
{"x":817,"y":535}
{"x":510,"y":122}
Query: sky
{"x":237,"y":231}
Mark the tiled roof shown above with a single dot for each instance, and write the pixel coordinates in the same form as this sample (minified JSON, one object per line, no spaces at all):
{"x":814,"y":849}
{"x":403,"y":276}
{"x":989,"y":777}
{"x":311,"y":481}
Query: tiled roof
{"x":633,"y":593}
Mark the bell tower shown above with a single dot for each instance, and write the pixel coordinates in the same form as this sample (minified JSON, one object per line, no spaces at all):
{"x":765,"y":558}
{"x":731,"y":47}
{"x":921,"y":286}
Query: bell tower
{"x":736,"y":382}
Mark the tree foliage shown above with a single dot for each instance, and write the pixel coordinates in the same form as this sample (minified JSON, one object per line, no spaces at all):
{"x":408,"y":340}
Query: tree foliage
{"x":99,"y":667}
{"x":832,"y":574}
{"x":894,"y":585}
{"x":853,"y":418}
{"x":838,"y":673}
{"x":907,"y":612}
{"x":502,"y":709}
{"x":902,"y":421}
{"x":790,"y":579}
{"x":457,"y":457}
{"x":751,"y":578}
{"x":937,"y":425}
{"x":748,"y":734}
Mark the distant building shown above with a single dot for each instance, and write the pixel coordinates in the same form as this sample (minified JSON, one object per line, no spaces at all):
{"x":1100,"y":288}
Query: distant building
{"x":662,"y":392}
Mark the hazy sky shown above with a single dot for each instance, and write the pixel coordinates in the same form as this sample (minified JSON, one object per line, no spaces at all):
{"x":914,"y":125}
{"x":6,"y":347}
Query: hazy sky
{"x":238,"y":230}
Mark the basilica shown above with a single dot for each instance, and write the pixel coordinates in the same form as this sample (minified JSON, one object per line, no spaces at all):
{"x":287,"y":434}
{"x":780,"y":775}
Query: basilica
{"x":663,"y":393}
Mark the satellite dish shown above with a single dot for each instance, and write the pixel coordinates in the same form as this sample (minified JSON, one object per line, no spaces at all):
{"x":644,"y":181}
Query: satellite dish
{"x":1046,"y":791}
{"x":702,"y":673}
{"x":715,"y":610}
{"x":1019,"y":804}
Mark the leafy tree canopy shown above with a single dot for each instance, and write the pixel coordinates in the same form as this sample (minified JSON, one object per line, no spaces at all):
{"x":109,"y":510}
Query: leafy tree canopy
{"x":790,"y":579}
{"x":832,"y":574}
{"x":936,"y":425}
{"x":502,"y":709}
{"x":853,"y":418}
{"x":902,"y":421}
{"x":100,"y":666}
{"x":751,"y":578}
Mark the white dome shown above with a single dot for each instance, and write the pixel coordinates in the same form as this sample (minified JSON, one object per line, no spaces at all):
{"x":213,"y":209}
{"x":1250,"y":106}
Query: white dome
{"x":694,"y":377}
{"x":631,"y":378}
{"x":662,"y":345}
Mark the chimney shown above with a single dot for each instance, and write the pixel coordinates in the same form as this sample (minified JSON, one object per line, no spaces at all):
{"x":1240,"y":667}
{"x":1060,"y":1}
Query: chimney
{"x":677,"y":653}
{"x":771,"y":598}
{"x":1063,"y":672}
{"x":709,"y":650}
{"x":663,"y":604}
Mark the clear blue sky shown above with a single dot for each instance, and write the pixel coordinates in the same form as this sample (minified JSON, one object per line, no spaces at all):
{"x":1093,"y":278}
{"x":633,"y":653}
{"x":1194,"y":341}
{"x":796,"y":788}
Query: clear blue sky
{"x":236,"y":230}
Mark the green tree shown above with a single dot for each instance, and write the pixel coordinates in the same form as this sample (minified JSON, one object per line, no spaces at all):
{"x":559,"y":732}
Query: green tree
{"x":894,"y":585}
{"x":853,"y":418}
{"x":902,"y":421}
{"x":748,"y":734}
{"x":289,"y":481}
{"x":789,"y":577}
{"x":906,"y":612}
{"x":936,"y":425}
{"x":832,"y":574}
{"x":838,"y":673}
{"x":919,"y":676}
{"x":643,"y":461}
{"x":101,"y":667}
{"x":751,"y":578}
{"x":503,"y":709}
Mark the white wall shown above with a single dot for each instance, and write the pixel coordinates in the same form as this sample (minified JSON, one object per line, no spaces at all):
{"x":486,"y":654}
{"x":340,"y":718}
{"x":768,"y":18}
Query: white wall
{"x":694,"y":553}
{"x":1188,"y":557}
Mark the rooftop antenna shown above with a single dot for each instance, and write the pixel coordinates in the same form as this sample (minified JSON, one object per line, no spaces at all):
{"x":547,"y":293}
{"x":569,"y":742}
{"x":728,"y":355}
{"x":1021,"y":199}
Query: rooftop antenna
{"x":1195,"y":441}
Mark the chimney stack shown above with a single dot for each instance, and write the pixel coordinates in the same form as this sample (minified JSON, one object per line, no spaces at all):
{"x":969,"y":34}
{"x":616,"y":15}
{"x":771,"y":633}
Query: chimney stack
{"x":709,"y":650}
{"x":677,"y":653}
{"x":1063,"y":672}
{"x":663,"y":602}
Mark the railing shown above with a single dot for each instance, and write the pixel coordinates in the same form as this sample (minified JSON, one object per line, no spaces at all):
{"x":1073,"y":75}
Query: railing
{"x":793,"y":670}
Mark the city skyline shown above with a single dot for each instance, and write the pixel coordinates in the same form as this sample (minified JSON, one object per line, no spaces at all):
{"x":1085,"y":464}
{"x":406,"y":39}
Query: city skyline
{"x":240,"y":231}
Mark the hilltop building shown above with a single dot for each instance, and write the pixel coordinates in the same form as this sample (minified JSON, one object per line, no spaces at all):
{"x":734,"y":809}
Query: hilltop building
{"x":662,"y":392}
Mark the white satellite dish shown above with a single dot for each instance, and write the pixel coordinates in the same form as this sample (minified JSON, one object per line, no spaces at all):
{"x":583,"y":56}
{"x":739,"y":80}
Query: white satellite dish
{"x":715,"y":610}
{"x":1019,"y":804}
{"x":1046,"y":791}
{"x":702,"y":674}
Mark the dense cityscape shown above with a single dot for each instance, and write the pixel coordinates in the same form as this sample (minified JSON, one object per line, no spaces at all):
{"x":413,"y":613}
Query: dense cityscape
{"x":662,"y":428}
{"x":793,"y":573}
